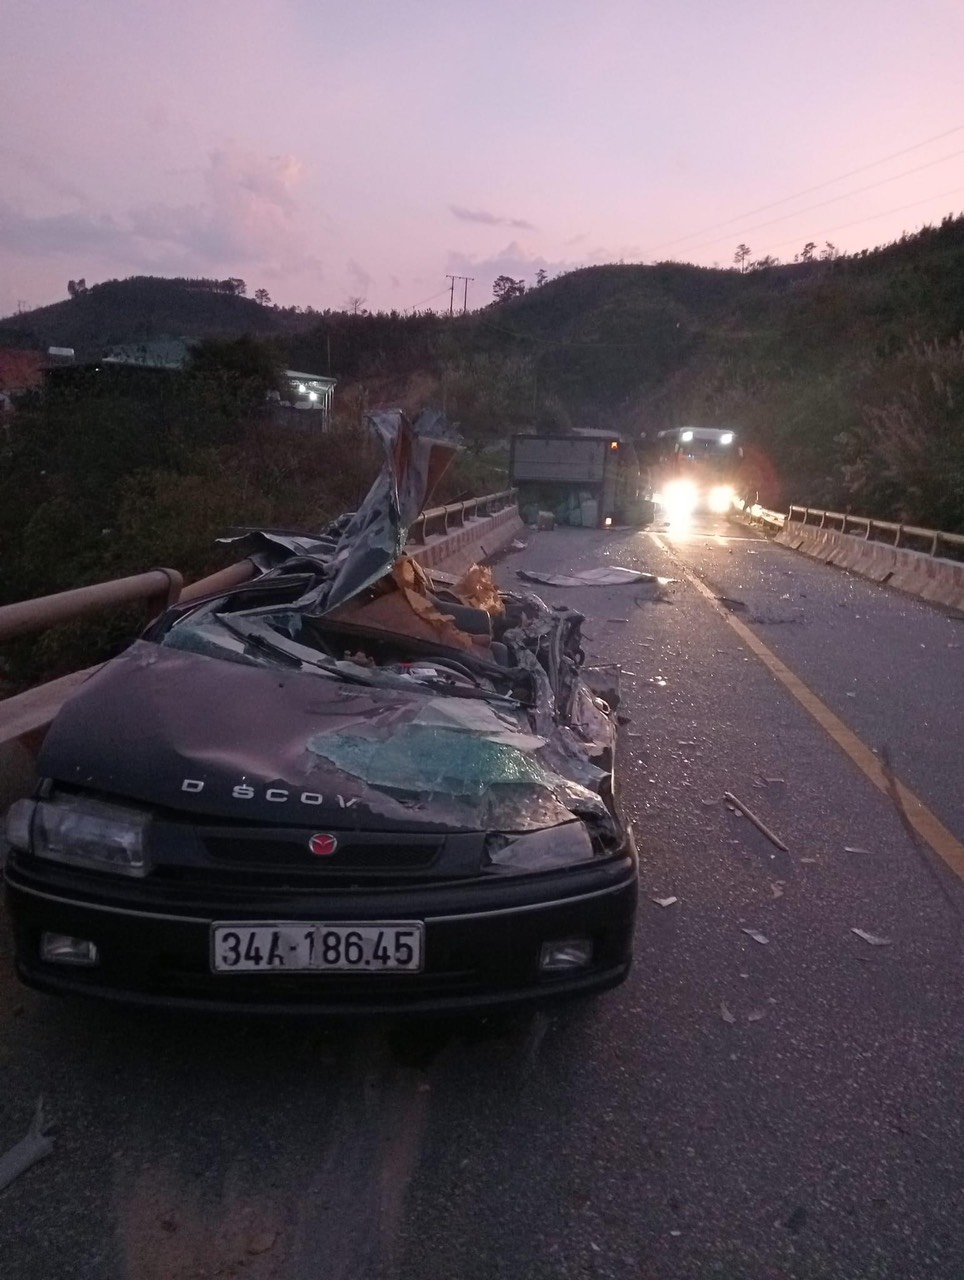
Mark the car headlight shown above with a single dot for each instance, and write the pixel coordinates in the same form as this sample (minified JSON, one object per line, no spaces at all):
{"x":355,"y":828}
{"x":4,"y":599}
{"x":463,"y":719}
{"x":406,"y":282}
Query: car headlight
{"x":722,"y":497}
{"x":680,"y":499}
{"x":83,"y":832}
{"x":546,"y":850}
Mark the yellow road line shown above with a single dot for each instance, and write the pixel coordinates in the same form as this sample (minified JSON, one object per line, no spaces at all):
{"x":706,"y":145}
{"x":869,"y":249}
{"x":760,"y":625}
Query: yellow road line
{"x":927,"y":825}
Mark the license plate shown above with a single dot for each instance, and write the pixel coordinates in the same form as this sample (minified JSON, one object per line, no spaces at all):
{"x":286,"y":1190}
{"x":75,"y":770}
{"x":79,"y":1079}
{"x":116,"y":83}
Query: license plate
{"x":295,"y":947}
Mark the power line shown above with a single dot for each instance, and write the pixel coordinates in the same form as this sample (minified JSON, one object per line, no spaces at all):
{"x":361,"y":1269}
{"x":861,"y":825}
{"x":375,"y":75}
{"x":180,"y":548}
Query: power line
{"x":808,"y":190}
{"x":833,"y":199}
{"x":874,"y":216}
{"x":431,"y":299}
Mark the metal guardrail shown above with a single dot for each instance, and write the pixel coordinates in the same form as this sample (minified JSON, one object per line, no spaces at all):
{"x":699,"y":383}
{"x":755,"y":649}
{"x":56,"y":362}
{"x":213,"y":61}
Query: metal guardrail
{"x":895,"y":535}
{"x":440,"y":520}
{"x":164,"y":587}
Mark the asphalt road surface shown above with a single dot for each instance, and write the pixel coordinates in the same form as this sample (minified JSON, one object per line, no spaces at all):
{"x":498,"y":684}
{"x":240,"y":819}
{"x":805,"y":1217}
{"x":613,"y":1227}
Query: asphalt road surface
{"x":788,"y":1110}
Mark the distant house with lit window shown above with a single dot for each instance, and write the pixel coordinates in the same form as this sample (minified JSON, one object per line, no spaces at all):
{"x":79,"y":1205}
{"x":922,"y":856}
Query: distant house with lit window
{"x":311,"y":391}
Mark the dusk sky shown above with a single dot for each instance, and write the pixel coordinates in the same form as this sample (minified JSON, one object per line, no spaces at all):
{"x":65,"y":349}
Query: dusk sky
{"x":325,"y":151}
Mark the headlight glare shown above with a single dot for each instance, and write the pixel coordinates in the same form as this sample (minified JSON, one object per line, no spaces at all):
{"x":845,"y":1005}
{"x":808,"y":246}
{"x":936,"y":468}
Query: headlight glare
{"x":722,"y":497}
{"x":680,"y":499}
{"x":90,"y":833}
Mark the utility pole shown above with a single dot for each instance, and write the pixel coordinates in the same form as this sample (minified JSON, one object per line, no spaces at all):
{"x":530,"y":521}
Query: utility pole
{"x":465,"y":301}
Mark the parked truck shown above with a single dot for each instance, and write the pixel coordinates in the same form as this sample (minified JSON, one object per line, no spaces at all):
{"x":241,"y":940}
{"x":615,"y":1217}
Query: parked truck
{"x":589,"y":478}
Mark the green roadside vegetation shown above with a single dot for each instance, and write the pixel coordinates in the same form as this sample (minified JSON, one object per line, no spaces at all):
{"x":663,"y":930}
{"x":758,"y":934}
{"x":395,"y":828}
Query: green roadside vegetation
{"x":843,"y":375}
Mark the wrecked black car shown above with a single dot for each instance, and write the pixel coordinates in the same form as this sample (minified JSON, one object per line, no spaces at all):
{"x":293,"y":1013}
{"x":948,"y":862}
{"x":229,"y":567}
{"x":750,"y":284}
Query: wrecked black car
{"x":341,"y":787}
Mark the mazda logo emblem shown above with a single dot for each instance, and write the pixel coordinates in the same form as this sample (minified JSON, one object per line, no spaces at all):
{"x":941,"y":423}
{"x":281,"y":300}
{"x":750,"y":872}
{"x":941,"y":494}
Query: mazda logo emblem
{"x":322,"y":845}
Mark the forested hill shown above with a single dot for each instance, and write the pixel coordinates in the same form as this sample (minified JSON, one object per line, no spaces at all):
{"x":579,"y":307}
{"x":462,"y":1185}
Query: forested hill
{"x":844,"y":374}
{"x":147,"y":307}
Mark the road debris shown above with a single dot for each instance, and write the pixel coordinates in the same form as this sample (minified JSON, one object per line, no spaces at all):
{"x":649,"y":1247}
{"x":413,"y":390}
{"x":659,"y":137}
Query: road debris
{"x":776,"y":888}
{"x":810,"y":860}
{"x":756,"y":935}
{"x":665,"y":902}
{"x":611,"y":576}
{"x":760,"y":826}
{"x":872,"y":938}
{"x":756,"y":1015}
{"x":28,"y":1150}
{"x":617,"y":619}
{"x":734,"y":606}
{"x":516,"y":545}
{"x":855,"y":849}
{"x":725,"y":1013}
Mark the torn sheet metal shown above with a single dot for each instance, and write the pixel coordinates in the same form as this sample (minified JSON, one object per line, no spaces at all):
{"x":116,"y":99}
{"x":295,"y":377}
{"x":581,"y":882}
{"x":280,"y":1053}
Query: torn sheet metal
{"x":416,"y":455}
{"x":611,"y":576}
{"x":354,"y":551}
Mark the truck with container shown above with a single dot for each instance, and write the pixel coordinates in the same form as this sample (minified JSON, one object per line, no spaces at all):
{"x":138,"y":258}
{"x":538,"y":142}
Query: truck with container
{"x":588,"y":478}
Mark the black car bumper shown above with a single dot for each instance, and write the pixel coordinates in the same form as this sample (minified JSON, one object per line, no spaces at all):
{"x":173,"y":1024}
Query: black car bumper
{"x":482,"y":942}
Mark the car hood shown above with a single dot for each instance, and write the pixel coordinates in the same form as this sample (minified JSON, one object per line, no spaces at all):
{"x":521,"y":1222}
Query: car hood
{"x":191,"y":733}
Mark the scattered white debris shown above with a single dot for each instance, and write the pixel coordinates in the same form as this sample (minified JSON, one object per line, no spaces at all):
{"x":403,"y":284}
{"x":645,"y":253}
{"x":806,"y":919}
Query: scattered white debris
{"x":757,"y":936}
{"x":776,"y":888}
{"x":854,"y":849}
{"x":874,"y":939}
{"x":810,"y":860}
{"x":756,"y":1015}
{"x":665,"y":902}
{"x":725,"y":1013}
